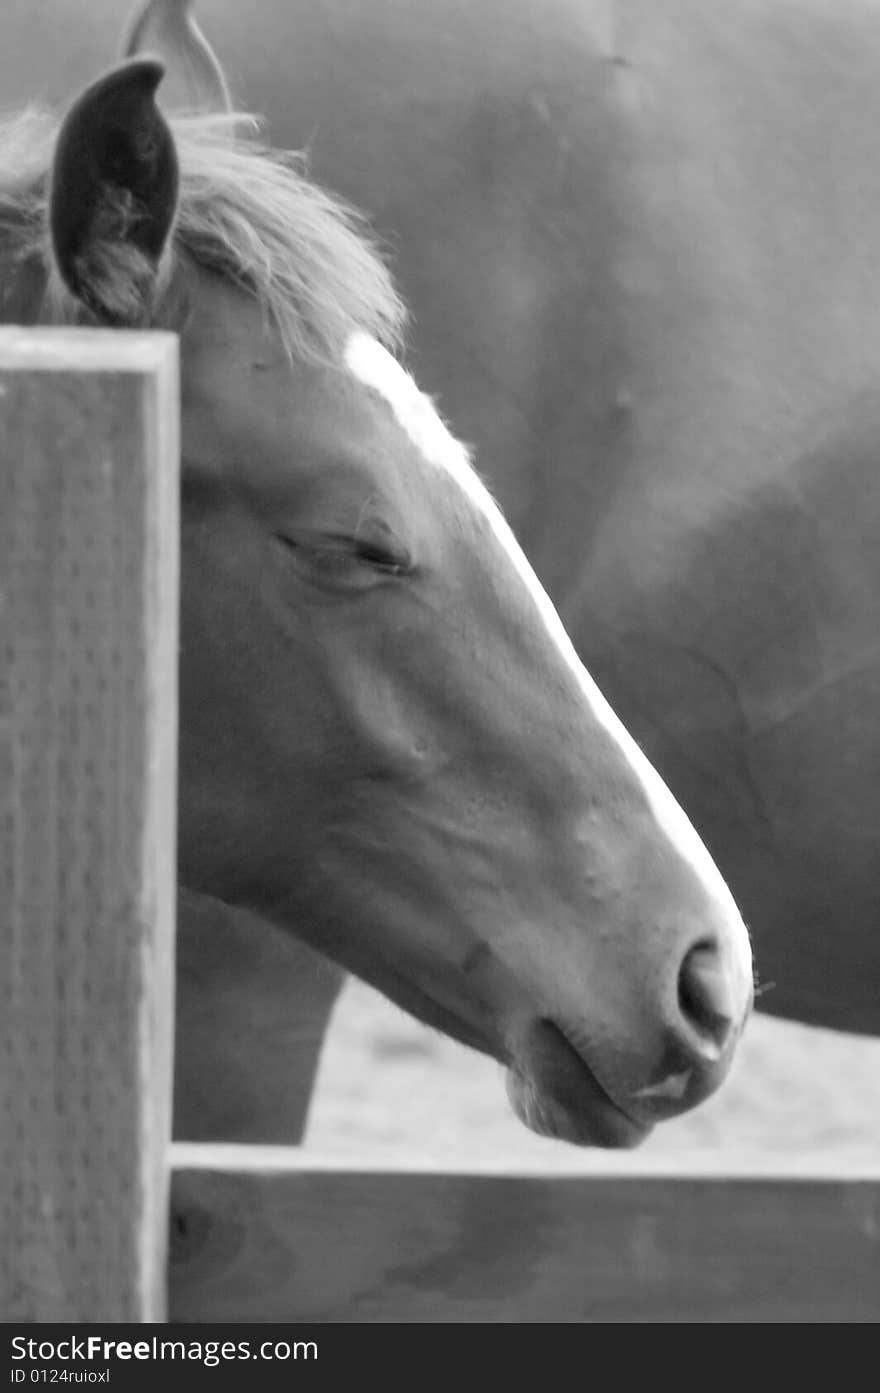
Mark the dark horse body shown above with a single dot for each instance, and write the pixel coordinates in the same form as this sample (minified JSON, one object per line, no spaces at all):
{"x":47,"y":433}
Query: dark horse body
{"x":640,"y":255}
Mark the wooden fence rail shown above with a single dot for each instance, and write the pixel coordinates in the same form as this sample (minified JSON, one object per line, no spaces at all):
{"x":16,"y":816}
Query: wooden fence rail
{"x":89,"y":554}
{"x":89,"y":455}
{"x":263,"y":1235}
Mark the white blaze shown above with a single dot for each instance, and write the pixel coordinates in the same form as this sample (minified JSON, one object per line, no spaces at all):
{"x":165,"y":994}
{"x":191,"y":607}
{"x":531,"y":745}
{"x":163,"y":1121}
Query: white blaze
{"x":374,"y":366}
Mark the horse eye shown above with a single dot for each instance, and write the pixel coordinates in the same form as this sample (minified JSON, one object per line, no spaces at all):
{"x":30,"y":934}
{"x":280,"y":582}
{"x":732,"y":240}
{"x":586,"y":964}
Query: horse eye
{"x":339,"y":558}
{"x":382,"y":556}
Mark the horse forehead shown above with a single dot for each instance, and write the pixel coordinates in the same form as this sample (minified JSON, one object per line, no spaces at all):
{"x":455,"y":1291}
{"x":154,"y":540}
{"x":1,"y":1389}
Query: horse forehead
{"x":414,"y":412}
{"x":239,"y":383}
{"x":245,"y":397}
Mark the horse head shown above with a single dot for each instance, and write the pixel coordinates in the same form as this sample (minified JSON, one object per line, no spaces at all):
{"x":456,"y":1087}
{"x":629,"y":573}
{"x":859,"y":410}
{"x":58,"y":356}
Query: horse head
{"x":388,"y":745}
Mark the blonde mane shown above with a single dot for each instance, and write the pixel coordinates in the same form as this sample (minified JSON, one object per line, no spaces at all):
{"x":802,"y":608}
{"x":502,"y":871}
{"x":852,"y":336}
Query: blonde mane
{"x":246,"y":211}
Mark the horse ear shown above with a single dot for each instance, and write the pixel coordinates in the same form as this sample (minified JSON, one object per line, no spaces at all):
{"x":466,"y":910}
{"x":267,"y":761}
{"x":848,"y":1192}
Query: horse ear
{"x":167,"y":28}
{"x":113,"y":194}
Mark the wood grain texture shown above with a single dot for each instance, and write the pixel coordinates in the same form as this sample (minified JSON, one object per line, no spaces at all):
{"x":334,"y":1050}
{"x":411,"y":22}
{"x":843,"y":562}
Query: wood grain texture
{"x":89,"y":454}
{"x":294,"y":1244}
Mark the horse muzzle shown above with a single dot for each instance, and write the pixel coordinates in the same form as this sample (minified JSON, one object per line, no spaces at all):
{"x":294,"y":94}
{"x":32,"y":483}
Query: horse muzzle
{"x":564,"y":1084}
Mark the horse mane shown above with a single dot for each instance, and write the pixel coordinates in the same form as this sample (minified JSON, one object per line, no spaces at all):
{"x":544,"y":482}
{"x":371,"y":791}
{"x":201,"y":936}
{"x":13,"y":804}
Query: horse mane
{"x":246,"y":211}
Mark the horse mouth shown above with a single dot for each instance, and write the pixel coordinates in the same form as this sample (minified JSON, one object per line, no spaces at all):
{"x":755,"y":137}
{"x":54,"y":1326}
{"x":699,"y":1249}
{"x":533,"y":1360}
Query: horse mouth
{"x":551,"y":1087}
{"x":555,"y":1093}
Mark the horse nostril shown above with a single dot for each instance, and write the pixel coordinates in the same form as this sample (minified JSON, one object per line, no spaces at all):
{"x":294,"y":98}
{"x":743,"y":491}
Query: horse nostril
{"x":706,"y":997}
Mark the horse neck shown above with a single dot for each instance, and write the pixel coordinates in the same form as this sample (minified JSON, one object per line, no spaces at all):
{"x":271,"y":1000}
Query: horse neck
{"x":252,"y":1007}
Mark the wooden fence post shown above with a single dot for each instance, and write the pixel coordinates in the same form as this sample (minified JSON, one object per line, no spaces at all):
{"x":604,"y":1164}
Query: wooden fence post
{"x":89,"y":559}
